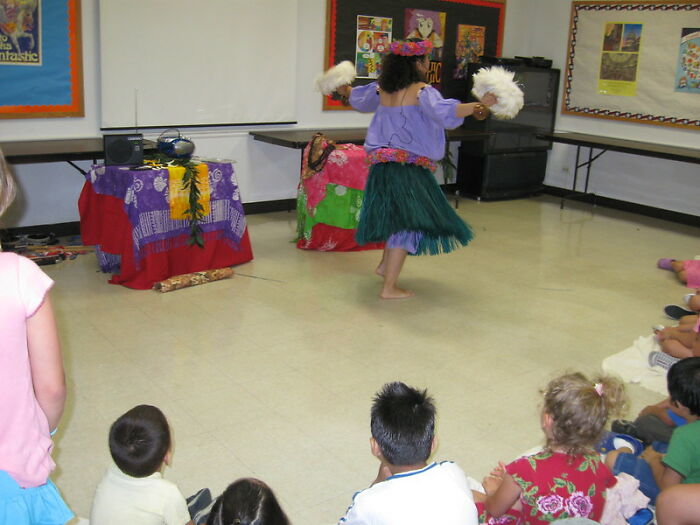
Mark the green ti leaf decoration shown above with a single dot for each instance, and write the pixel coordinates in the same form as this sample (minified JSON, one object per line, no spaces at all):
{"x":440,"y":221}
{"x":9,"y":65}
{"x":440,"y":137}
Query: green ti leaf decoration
{"x":195,"y":211}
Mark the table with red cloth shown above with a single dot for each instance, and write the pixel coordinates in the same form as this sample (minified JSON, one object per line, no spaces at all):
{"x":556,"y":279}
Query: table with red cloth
{"x":126,"y":214}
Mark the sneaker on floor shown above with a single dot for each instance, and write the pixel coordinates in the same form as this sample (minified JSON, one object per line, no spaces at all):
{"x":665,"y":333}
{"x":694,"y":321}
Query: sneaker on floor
{"x":675,"y":312}
{"x":662,"y":360}
{"x":623,"y":426}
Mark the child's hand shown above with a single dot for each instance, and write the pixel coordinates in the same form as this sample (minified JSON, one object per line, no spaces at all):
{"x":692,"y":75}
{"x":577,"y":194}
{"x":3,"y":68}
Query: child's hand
{"x":651,"y":456}
{"x":491,"y":484}
{"x":498,"y":471}
{"x":489,"y":99}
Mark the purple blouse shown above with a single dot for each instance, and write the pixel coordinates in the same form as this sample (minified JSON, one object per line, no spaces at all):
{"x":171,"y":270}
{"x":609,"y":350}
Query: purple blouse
{"x":419,"y":129}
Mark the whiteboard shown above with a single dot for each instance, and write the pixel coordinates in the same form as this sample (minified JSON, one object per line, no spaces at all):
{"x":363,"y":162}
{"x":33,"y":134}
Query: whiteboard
{"x":191,"y":63}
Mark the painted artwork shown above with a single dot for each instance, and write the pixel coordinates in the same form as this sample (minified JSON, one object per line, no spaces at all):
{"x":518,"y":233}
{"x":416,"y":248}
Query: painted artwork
{"x":469,"y":47}
{"x":373,"y":39}
{"x":428,"y":25}
{"x":688,"y":69}
{"x":613,"y":37}
{"x":40,"y":59}
{"x":619,"y":61}
{"x":20,"y":35}
{"x":631,"y":38}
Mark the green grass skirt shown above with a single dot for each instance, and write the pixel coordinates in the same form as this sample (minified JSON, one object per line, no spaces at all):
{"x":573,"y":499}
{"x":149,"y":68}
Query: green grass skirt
{"x":406,"y":197}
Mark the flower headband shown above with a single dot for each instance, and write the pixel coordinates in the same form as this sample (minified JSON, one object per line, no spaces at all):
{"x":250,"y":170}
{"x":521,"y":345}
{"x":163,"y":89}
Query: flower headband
{"x":407,"y":49}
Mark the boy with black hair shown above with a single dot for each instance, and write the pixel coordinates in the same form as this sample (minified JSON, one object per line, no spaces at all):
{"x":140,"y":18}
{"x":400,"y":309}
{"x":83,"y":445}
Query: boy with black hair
{"x":133,"y":490}
{"x":407,"y":489}
{"x":681,"y":463}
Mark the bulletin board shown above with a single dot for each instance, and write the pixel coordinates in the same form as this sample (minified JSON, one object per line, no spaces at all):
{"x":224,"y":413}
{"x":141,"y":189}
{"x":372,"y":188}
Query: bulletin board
{"x":634,"y":61}
{"x":461,"y":30}
{"x":41,"y":63}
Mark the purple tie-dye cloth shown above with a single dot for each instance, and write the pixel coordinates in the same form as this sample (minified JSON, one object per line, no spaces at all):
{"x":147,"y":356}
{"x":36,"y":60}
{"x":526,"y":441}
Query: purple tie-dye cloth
{"x":145,"y":196}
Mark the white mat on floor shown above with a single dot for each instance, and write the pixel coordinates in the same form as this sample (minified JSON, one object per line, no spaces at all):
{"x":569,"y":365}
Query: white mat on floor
{"x":632,"y":365}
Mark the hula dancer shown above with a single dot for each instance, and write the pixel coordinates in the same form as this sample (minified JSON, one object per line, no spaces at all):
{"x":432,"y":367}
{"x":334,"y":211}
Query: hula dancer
{"x":404,"y":204}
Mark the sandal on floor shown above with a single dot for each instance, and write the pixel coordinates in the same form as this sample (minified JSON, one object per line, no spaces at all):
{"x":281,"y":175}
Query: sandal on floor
{"x":665,"y":263}
{"x":675,"y":312}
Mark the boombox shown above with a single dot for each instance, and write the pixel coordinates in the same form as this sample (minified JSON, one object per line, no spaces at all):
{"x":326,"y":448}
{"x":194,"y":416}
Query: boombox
{"x":172,"y":144}
{"x":123,"y":149}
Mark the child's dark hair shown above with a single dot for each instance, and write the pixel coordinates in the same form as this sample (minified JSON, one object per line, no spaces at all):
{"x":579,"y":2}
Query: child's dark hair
{"x":684,"y":383}
{"x":247,"y":501}
{"x":403,"y":423}
{"x":139,"y":441}
{"x":580,"y":408}
{"x":398,"y":72}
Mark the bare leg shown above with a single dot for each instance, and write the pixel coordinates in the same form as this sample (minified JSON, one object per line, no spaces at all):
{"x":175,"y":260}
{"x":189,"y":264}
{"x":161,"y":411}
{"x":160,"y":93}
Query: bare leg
{"x":381,"y":268}
{"x":677,"y":349}
{"x":694,"y":302}
{"x":393,"y":261}
{"x":684,"y":334}
{"x":679,"y":505}
{"x":678,"y":269}
{"x":676,"y":265}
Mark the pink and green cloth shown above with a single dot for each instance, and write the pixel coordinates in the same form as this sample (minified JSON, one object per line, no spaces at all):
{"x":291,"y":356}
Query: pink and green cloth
{"x":329,"y":202}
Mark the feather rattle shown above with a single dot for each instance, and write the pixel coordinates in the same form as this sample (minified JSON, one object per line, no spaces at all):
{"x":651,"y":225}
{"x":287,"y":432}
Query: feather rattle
{"x":339,"y":75}
{"x":499,"y":81}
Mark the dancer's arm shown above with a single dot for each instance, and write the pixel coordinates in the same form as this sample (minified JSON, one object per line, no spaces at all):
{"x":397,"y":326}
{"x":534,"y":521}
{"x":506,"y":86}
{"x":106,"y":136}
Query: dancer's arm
{"x":467,"y":109}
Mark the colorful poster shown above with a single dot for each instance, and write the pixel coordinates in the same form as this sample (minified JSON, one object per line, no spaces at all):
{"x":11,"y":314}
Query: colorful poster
{"x":688,"y":69}
{"x":20,"y":35}
{"x":373,"y":39}
{"x":619,"y":60}
{"x":428,"y":25}
{"x":40,"y":59}
{"x":470,"y":46}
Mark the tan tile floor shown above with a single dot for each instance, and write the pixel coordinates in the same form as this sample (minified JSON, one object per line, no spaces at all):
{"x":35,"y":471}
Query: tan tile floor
{"x":273,"y":376}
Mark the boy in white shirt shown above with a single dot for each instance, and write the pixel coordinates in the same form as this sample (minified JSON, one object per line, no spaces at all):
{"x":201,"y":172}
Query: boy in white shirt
{"x":133,"y":490}
{"x":408,"y":490}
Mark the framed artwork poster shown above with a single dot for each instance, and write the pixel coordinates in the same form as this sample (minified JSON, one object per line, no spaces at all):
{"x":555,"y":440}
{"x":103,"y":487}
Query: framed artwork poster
{"x":40,"y":59}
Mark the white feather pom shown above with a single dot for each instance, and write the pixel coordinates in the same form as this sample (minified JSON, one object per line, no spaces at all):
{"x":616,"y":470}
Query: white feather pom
{"x":499,"y":81}
{"x":339,"y":75}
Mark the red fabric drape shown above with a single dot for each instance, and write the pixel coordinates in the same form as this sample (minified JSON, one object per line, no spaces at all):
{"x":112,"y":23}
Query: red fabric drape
{"x":103,"y":221}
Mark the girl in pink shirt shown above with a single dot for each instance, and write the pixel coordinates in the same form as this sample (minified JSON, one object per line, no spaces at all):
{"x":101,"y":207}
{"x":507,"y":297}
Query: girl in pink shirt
{"x":32,"y":388}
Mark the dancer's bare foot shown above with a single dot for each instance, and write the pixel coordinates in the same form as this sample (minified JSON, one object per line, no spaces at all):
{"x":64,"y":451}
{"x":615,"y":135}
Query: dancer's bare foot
{"x":380,"y":270}
{"x":395,"y":293}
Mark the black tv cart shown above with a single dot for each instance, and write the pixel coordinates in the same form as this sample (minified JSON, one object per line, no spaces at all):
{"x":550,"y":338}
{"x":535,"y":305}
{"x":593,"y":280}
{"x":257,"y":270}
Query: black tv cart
{"x":512,"y":162}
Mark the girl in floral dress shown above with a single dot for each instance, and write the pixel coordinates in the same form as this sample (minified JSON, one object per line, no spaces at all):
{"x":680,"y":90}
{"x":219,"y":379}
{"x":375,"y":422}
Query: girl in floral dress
{"x":567,"y":479}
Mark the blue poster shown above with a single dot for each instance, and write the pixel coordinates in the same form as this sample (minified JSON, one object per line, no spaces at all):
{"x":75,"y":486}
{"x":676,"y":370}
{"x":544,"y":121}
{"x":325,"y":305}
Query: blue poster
{"x":40,"y":58}
{"x":688,"y":69}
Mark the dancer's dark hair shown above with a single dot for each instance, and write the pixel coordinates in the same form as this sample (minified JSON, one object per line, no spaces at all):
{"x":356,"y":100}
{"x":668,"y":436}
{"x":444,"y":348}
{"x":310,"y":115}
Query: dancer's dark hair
{"x":398,"y":71}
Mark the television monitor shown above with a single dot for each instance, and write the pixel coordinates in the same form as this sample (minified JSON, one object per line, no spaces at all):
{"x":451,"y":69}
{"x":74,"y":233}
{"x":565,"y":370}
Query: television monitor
{"x":541,"y":88}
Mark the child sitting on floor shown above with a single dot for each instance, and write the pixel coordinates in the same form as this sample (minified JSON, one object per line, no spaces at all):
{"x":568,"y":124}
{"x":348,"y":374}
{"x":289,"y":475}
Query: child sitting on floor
{"x":408,"y":490}
{"x":681,"y":464}
{"x":567,"y":478}
{"x":247,"y":501}
{"x":655,"y":423}
{"x":677,"y":342}
{"x":133,"y":490}
{"x":688,"y":271}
